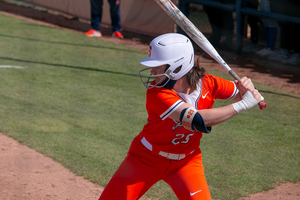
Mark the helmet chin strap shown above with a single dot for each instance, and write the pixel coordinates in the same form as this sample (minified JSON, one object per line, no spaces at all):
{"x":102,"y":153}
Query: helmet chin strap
{"x":170,"y":83}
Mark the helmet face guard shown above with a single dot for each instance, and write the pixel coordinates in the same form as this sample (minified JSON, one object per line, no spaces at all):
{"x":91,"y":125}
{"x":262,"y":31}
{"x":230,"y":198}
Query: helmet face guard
{"x":147,"y":80}
{"x":173,"y":49}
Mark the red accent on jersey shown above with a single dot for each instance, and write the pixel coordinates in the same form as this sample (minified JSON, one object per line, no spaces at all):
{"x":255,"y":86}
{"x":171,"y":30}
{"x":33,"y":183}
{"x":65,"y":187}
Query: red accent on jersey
{"x":161,"y":102}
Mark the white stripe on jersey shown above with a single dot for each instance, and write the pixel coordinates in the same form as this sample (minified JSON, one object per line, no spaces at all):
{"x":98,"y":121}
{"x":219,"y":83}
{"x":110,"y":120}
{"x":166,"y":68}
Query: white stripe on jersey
{"x":235,"y":92}
{"x":167,"y":113}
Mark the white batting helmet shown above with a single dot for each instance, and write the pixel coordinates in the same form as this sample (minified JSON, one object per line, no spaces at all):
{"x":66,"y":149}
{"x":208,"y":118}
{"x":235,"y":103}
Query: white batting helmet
{"x":173,"y":49}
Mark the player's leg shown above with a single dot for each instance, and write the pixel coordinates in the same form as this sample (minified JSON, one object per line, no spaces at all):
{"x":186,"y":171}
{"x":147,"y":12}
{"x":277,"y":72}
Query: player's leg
{"x":96,"y":13}
{"x":115,"y":14}
{"x":189,"y":182}
{"x":131,"y":181}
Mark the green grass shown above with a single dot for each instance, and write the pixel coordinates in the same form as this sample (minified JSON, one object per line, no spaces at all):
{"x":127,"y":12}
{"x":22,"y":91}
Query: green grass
{"x":79,"y":101}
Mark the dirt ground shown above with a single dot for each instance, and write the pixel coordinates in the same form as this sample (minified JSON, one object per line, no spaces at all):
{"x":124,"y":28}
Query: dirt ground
{"x":28,"y":175}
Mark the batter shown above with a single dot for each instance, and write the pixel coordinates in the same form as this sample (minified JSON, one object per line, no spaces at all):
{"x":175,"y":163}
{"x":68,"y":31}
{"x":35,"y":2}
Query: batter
{"x":179,"y":101}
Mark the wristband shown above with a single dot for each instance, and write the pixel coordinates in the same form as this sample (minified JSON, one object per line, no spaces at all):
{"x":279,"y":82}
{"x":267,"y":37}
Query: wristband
{"x":246,"y":103}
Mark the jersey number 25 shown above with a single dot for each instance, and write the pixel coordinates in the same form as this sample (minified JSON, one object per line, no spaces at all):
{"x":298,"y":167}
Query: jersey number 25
{"x":181,"y":138}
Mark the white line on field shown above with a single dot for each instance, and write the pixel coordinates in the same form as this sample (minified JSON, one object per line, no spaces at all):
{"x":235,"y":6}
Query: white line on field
{"x":10,"y":66}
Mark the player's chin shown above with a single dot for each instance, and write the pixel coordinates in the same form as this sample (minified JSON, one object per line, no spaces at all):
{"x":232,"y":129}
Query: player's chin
{"x":159,"y":80}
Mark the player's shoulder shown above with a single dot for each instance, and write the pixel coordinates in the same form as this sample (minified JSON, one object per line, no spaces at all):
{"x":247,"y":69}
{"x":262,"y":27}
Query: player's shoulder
{"x":209,"y":78}
{"x":161,"y":90}
{"x":161,"y":93}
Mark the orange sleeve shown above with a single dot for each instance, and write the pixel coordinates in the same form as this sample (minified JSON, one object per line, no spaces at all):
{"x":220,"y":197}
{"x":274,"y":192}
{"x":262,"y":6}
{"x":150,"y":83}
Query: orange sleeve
{"x":222,"y":88}
{"x":162,"y":102}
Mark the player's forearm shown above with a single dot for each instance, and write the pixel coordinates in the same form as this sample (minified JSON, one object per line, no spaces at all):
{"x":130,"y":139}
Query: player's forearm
{"x":211,"y":117}
{"x":238,"y":97}
{"x":216,"y":116}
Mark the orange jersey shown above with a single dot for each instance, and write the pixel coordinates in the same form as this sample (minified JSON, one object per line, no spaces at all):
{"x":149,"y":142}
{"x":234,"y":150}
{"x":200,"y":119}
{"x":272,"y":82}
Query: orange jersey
{"x":163,"y":133}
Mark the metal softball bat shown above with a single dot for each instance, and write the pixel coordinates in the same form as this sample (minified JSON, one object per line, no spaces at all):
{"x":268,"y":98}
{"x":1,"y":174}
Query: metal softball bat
{"x":195,"y":34}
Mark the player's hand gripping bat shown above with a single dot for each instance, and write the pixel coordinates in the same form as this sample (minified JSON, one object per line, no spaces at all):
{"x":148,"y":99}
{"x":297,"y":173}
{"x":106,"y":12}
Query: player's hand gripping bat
{"x":193,"y":32}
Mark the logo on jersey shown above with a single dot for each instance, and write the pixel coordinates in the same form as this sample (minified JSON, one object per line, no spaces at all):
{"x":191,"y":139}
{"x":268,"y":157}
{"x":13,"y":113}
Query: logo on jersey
{"x":149,"y":51}
{"x":203,"y":96}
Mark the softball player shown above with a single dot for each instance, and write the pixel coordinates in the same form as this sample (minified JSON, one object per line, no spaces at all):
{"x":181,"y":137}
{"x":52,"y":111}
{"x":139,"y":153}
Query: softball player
{"x":179,"y":104}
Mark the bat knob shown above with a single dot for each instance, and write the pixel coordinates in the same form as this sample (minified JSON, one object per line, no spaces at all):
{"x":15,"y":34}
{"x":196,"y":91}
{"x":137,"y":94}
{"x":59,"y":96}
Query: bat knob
{"x":262,"y":105}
